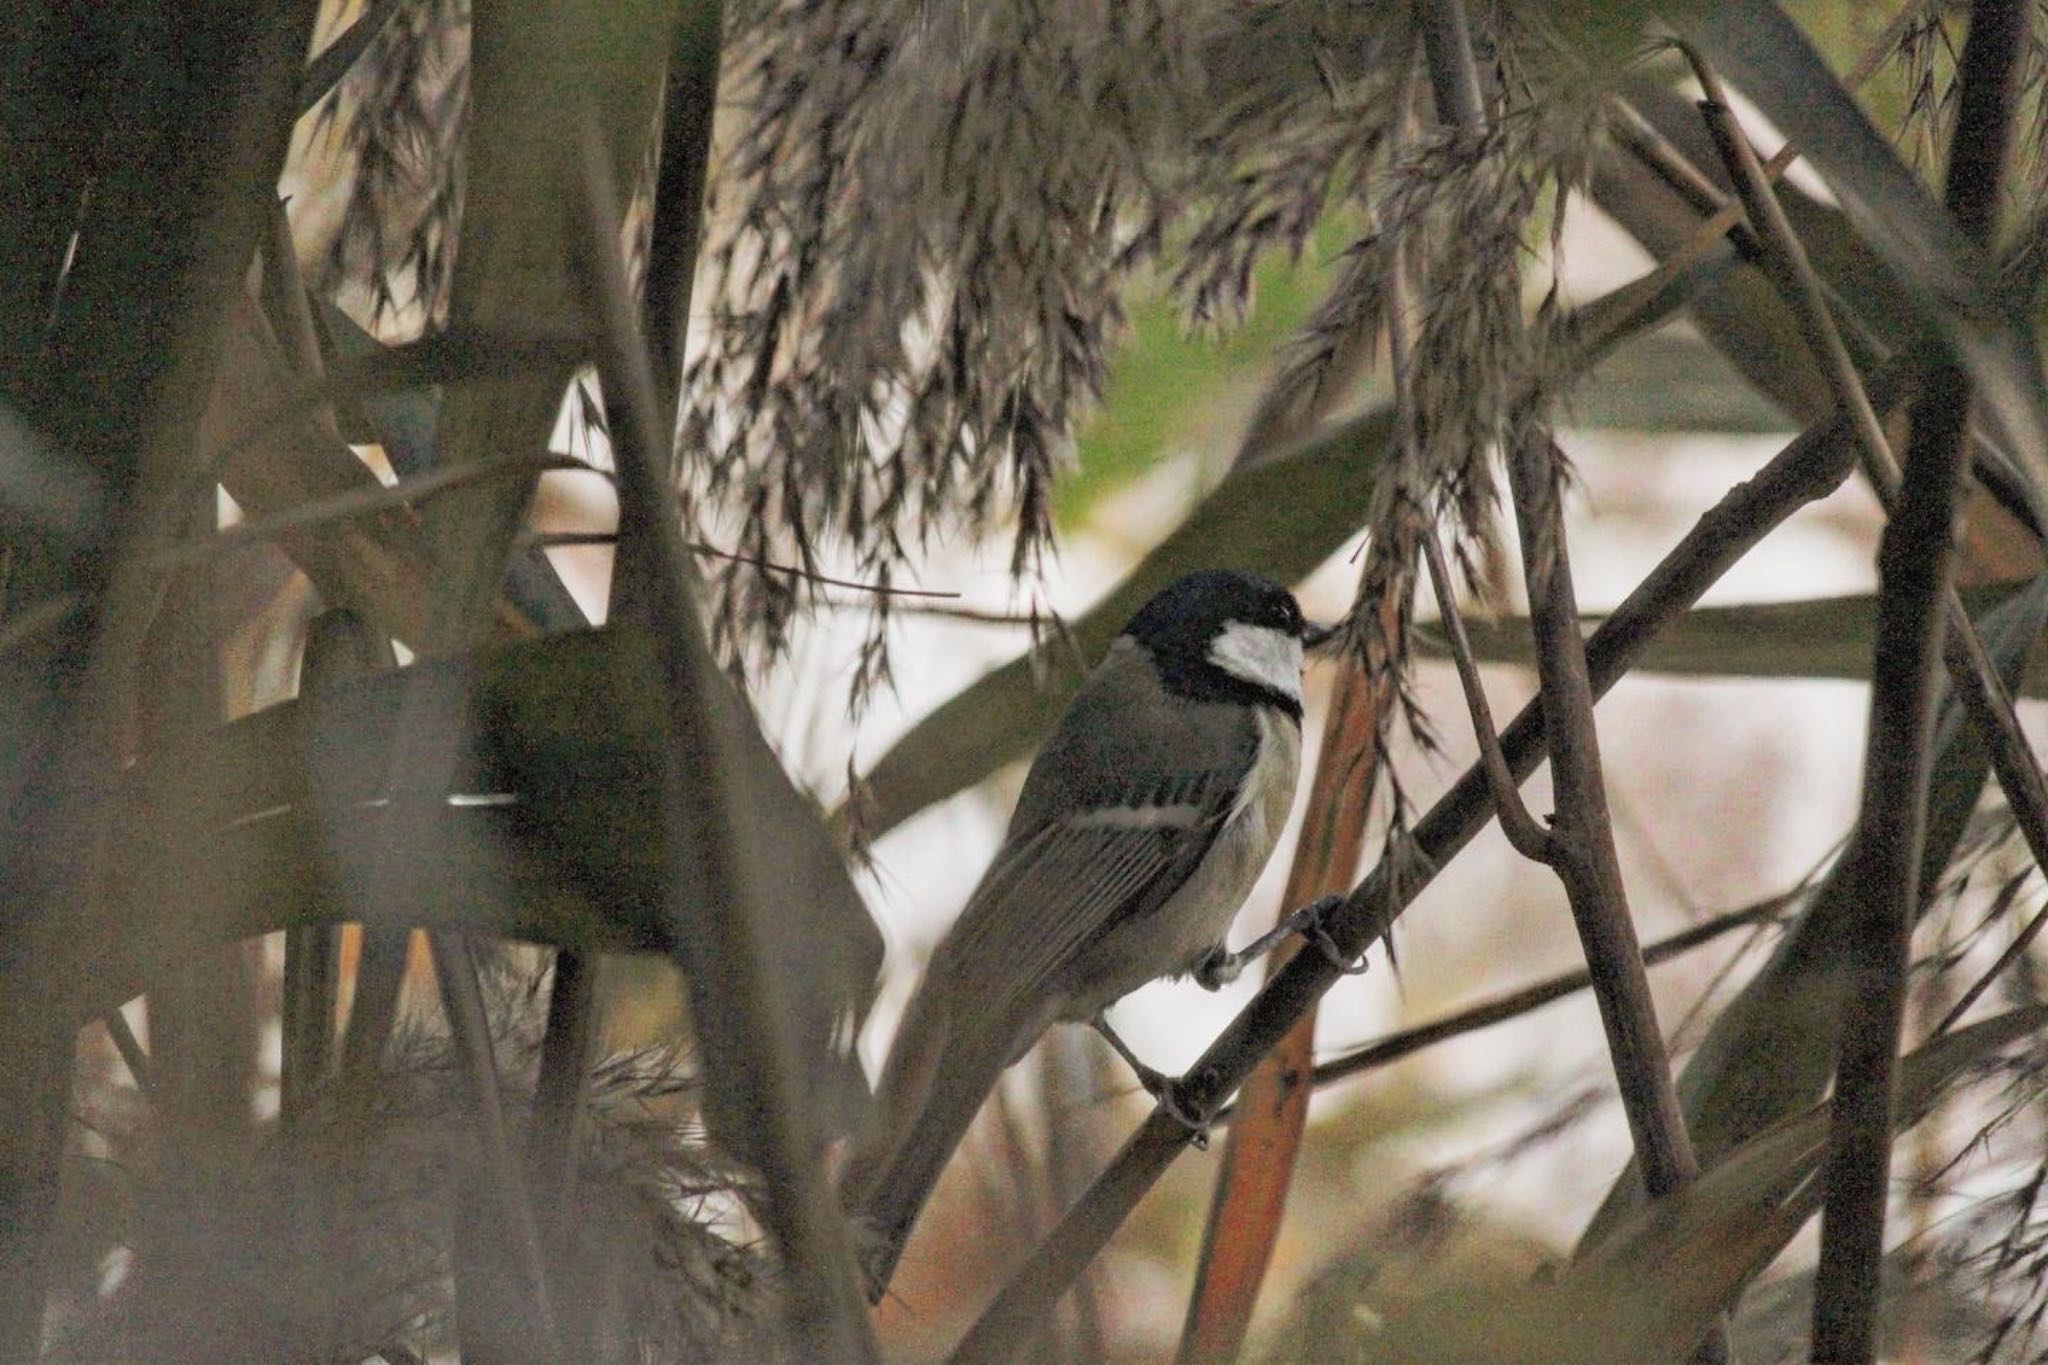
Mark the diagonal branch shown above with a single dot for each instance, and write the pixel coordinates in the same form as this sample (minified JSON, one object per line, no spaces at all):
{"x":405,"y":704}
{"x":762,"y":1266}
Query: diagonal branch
{"x":1524,"y":831}
{"x":570,"y":1042}
{"x":743,"y":1018}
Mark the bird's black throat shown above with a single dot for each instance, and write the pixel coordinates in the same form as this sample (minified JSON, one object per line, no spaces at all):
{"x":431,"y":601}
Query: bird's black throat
{"x":1192,"y":675}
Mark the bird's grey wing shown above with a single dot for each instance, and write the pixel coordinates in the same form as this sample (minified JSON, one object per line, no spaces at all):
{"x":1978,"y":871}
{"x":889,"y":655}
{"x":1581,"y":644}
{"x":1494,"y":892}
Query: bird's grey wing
{"x":1082,"y":872}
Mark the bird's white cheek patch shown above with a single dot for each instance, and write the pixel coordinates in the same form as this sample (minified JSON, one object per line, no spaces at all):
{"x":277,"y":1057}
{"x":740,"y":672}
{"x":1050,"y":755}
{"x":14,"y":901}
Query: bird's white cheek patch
{"x":1261,"y":655}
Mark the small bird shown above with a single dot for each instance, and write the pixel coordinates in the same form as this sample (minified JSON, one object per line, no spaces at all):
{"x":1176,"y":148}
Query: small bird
{"x":1144,"y":821}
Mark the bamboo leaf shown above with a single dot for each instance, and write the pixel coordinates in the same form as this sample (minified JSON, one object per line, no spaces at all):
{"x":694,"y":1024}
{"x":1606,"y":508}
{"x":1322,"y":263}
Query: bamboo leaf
{"x":1671,"y":381}
{"x":1949,"y":280}
{"x":1653,"y":1287}
{"x":1822,"y":637}
{"x":554,"y":837}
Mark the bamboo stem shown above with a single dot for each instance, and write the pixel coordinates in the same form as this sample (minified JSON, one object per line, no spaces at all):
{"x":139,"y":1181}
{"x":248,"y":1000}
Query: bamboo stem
{"x":1915,"y":560}
{"x":1580,"y":845}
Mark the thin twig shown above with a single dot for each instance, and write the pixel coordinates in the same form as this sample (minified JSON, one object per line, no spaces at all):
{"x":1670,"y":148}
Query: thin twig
{"x":133,"y":1055}
{"x":462,"y":1001}
{"x":744,"y":1016}
{"x":1808,"y":469}
{"x":459,"y":355}
{"x":1784,"y":258}
{"x":362,"y":502}
{"x":568,"y":1047}
{"x":1676,"y":170}
{"x":1524,"y":831}
{"x":1915,"y":564}
{"x":552,"y":538}
{"x":1501,"y":1009}
{"x":2014,"y":950}
{"x":1581,"y":842}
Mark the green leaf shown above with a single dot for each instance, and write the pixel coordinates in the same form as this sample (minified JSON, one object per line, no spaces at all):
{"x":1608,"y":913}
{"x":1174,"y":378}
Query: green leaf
{"x":1167,"y":387}
{"x":272,"y":823}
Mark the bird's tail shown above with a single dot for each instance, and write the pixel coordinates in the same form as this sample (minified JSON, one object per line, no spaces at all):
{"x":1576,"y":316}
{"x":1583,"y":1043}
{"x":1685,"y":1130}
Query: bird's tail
{"x":943,"y":1063}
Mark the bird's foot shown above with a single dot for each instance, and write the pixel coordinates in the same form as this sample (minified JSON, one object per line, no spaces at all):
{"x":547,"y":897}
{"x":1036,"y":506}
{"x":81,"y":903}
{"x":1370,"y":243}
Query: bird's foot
{"x":1218,"y":967}
{"x":1164,"y":1089}
{"x":1308,"y":922}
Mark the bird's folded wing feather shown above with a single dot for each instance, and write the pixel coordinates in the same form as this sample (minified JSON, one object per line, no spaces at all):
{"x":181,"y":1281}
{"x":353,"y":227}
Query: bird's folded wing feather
{"x":1078,"y":876}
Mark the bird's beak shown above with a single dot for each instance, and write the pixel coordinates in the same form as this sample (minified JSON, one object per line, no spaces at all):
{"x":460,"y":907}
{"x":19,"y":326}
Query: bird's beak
{"x":1314,"y":635}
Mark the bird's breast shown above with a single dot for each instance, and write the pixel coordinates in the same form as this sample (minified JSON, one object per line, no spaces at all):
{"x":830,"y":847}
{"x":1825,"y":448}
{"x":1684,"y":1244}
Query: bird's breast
{"x":1168,"y":939}
{"x":1203,"y":909}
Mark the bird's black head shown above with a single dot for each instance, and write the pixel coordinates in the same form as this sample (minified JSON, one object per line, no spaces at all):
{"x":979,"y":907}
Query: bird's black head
{"x":1226,"y":635}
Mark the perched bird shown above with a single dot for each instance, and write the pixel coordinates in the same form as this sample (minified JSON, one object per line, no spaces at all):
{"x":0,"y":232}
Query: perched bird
{"x":1144,"y":821}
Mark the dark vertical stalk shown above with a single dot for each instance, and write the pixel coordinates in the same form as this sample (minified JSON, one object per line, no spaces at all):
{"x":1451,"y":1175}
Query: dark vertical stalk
{"x":742,"y":1018}
{"x":202,"y":1024}
{"x":575,"y":1002}
{"x":1915,"y":560}
{"x":340,"y":646}
{"x":116,"y":378}
{"x":1581,"y":846}
{"x":689,"y":102}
